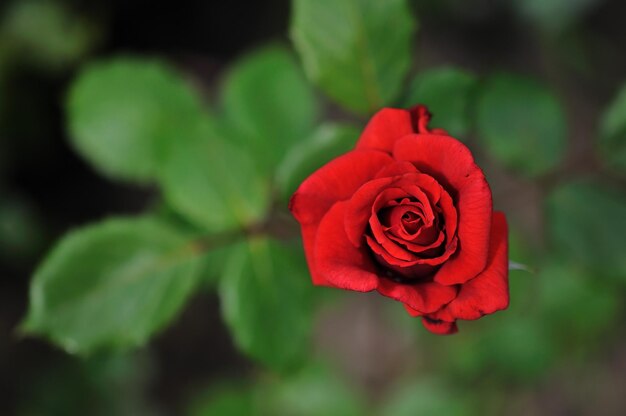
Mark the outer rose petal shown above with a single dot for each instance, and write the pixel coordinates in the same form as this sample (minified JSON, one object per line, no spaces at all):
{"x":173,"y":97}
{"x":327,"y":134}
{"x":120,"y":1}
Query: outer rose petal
{"x":436,"y":326}
{"x":309,"y":232}
{"x":424,"y":297}
{"x":452,"y":164}
{"x":489,"y":291}
{"x":335,"y":181}
{"x":384,"y":128}
{"x":337,"y":260}
{"x":439,"y":327}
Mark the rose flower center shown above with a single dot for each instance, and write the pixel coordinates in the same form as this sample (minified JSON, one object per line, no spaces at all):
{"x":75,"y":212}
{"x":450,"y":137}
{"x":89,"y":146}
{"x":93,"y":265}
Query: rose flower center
{"x":409,"y":235}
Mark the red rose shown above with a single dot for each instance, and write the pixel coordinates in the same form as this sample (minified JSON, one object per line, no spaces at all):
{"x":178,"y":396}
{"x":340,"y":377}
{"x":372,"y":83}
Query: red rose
{"x":407,"y":213}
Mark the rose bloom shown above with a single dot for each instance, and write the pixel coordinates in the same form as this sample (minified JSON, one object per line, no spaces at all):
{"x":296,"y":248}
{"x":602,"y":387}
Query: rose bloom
{"x":407,"y":213}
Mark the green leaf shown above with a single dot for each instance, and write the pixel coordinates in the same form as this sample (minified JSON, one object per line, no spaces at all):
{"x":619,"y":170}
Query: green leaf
{"x":357,"y":51}
{"x":522,"y":124}
{"x":612,"y":141}
{"x":312,"y":392}
{"x":326,"y":143}
{"x":22,"y":234}
{"x":447,"y":93}
{"x":587,"y":224}
{"x":224,"y":399}
{"x":268,"y":104}
{"x":266,"y":302}
{"x":554,"y":15}
{"x":213,"y":182}
{"x":47,"y":33}
{"x":424,"y":397}
{"x":107,"y":384}
{"x":576,"y":305}
{"x":111,"y":284}
{"x":515,"y":349}
{"x":125,"y":114}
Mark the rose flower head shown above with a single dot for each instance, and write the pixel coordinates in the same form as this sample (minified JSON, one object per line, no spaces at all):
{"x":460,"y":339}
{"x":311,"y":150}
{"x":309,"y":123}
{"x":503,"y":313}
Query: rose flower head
{"x":407,"y":213}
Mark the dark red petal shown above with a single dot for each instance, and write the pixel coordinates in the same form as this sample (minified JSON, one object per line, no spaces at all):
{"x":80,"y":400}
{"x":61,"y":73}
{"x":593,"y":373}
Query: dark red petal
{"x":451,"y":163}
{"x":336,"y":181}
{"x":439,"y":327}
{"x":390,"y":257}
{"x":391,"y":253}
{"x":384,"y":128}
{"x":396,"y":169}
{"x":425,"y":297}
{"x":450,"y":215}
{"x":418,"y":248}
{"x":337,"y":260}
{"x":489,"y":291}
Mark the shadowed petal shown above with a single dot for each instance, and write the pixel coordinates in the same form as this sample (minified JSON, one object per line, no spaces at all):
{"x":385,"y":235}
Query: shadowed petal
{"x":424,"y":297}
{"x":439,"y":327}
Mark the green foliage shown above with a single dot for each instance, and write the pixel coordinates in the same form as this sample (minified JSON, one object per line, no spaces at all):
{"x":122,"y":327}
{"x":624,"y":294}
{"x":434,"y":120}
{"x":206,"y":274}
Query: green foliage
{"x":516,"y":349}
{"x":105,"y":385}
{"x":222,"y":400}
{"x":577,"y":306}
{"x":126,"y":114}
{"x":521,"y":124}
{"x":266,"y":302}
{"x":612,"y":141}
{"x":423,"y":398}
{"x":314,"y":391}
{"x":112,"y":284}
{"x":350,"y":50}
{"x":268,"y":105}
{"x":447,"y":92}
{"x":587,"y":224}
{"x":554,"y":15}
{"x":326,"y":143}
{"x":47,"y":33}
{"x":21,"y":231}
{"x":213,"y":182}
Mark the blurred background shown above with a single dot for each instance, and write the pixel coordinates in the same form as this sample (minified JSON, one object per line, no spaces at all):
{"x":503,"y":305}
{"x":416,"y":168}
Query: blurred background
{"x":559,"y":350}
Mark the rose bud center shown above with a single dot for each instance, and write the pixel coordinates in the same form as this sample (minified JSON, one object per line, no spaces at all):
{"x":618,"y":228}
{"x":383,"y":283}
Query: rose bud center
{"x":408,"y":234}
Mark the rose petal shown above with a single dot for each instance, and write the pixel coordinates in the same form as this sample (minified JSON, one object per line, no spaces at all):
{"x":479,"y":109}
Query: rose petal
{"x":451,"y":163}
{"x":377,"y":230}
{"x":425,"y":297}
{"x":419,"y":248}
{"x":309,"y":232}
{"x":384,"y":128}
{"x":439,"y":327}
{"x":389,"y":257}
{"x":393,"y":266}
{"x":450,"y":214}
{"x":337,"y":260}
{"x":489,"y":291}
{"x":359,"y":207}
{"x":397,"y":169}
{"x":425,"y":183}
{"x":335,"y":181}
